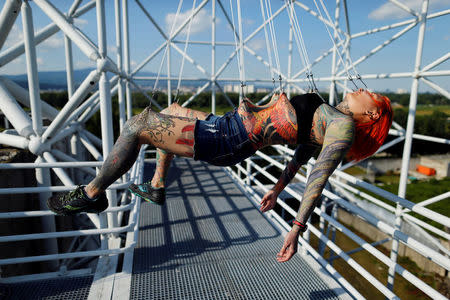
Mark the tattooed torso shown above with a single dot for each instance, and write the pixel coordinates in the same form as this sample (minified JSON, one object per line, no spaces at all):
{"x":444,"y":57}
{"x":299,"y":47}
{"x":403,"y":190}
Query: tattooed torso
{"x":274,"y":123}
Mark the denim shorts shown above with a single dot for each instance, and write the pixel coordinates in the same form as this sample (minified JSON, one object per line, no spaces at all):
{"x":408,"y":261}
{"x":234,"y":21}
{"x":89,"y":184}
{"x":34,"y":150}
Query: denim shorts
{"x":222,"y":141}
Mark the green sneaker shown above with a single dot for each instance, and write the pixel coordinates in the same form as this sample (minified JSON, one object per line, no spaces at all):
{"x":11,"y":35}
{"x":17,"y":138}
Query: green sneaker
{"x":75,"y":202}
{"x":149,"y":193}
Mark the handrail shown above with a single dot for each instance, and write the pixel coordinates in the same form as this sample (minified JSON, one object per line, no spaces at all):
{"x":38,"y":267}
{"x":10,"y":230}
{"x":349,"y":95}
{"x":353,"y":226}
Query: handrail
{"x":246,"y":177}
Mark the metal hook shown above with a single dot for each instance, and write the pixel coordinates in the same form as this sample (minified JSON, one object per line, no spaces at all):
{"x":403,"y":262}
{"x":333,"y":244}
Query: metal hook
{"x":281,"y":87}
{"x":176,"y":100}
{"x":314,"y":84}
{"x":311,"y":88}
{"x":351,"y":79}
{"x":154,"y":96}
{"x":360,"y":79}
{"x":242,"y":87}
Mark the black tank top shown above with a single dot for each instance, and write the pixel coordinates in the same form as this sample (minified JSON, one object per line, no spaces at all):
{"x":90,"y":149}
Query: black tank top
{"x":305,"y":105}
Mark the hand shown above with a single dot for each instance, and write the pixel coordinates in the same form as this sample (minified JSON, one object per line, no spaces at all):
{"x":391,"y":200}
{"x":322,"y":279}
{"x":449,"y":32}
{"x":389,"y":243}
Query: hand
{"x":289,"y":247}
{"x":268,"y":201}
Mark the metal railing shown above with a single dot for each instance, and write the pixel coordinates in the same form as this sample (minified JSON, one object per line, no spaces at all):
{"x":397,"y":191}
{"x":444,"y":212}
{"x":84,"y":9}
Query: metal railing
{"x":125,"y":215}
{"x":345,"y":193}
{"x":117,"y":77}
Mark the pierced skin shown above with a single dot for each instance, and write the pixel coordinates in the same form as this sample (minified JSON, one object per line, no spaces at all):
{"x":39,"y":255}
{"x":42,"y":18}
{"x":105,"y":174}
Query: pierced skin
{"x":274,"y":123}
{"x":271,"y":124}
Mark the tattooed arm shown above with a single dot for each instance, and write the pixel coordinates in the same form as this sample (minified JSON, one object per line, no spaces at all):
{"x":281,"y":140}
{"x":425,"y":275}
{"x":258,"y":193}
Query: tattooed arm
{"x":302,"y":154}
{"x":337,"y":140}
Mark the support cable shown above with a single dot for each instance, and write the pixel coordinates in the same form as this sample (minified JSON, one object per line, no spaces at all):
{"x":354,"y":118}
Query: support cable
{"x":269,"y":52}
{"x":293,"y":19}
{"x":238,"y":49}
{"x":188,"y":34}
{"x":274,"y":41}
{"x":154,"y":91}
{"x":352,"y":65}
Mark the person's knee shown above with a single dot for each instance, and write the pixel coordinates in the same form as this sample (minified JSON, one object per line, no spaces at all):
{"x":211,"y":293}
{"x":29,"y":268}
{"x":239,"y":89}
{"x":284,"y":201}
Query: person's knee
{"x":171,"y":109}
{"x":134,"y":125}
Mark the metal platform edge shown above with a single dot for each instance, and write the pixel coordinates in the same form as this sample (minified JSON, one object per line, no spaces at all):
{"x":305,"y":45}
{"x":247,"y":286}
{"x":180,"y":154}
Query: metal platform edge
{"x":306,"y":254}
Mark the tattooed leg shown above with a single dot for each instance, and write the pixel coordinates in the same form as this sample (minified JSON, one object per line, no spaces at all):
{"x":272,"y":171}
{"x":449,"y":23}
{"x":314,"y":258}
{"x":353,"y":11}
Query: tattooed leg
{"x":159,"y":130}
{"x":119,"y":161}
{"x":163,"y":158}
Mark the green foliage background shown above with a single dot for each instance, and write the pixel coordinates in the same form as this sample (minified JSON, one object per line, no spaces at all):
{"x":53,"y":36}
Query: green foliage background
{"x":432,"y":117}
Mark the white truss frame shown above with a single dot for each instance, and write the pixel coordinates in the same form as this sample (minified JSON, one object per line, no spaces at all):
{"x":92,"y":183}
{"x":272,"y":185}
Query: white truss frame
{"x":29,"y":133}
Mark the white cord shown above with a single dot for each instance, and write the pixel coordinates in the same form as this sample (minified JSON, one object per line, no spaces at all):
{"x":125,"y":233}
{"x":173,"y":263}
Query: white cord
{"x":269,"y":52}
{"x":180,"y":3}
{"x":345,"y":64}
{"x":236,"y":44}
{"x":185,"y":49}
{"x":293,"y":20}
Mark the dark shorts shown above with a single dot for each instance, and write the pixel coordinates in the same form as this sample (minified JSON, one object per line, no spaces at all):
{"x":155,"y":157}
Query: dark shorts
{"x":222,"y":141}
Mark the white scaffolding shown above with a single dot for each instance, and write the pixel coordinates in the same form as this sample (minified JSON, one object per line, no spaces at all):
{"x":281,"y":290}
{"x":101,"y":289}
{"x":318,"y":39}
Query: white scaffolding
{"x":26,"y":112}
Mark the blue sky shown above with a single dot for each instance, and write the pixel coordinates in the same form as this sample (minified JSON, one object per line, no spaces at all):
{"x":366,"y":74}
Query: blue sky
{"x":144,"y":39}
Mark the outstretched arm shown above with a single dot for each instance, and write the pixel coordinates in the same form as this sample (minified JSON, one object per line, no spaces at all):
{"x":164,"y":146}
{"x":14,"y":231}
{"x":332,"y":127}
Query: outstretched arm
{"x":338,"y":139}
{"x":302,"y":155}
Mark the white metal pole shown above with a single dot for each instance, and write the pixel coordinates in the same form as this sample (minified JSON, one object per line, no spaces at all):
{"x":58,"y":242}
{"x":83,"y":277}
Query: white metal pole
{"x":213,"y":58}
{"x":107,"y":133}
{"x":48,"y":222}
{"x":33,"y":79}
{"x":105,"y":105}
{"x":241,"y":51}
{"x":169,"y":67}
{"x":8,"y":16}
{"x":86,"y":86}
{"x":332,"y":96}
{"x":15,"y":51}
{"x":69,"y":66}
{"x":14,"y":113}
{"x":126,"y":54}
{"x":120,"y":83}
{"x":408,"y":138}
{"x":69,"y":29}
{"x":290,"y":47}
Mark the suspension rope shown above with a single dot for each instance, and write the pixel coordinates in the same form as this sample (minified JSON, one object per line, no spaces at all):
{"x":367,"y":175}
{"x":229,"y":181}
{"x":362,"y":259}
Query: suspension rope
{"x":272,"y":34}
{"x":269,"y":52}
{"x":293,"y":20}
{"x":184,"y":56}
{"x":349,"y":59}
{"x":238,"y":50}
{"x":154,"y":91}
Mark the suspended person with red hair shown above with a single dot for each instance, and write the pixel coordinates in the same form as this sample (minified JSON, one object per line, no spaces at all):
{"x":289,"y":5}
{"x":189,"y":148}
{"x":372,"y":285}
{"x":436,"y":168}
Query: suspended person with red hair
{"x":357,"y":126}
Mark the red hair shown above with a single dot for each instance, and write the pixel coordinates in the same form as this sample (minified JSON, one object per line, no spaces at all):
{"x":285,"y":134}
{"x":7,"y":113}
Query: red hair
{"x":371,"y":135}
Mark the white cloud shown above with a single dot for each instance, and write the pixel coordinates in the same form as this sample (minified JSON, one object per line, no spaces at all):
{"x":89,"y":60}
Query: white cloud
{"x":84,"y":64}
{"x":55,"y":41}
{"x":133,"y":63}
{"x":112,"y":50}
{"x":40,"y":61}
{"x":15,"y":36}
{"x":80,"y":23}
{"x":257,"y":44}
{"x":249,"y":21}
{"x":201,"y":22}
{"x":392,"y":11}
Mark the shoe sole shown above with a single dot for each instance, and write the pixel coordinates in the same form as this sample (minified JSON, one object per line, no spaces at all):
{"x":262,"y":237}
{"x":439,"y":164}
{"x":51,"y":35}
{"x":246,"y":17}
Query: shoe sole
{"x":135,"y":190}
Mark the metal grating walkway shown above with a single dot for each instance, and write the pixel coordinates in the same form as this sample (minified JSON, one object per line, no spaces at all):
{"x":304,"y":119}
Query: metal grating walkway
{"x":51,"y":289}
{"x":209,"y":242}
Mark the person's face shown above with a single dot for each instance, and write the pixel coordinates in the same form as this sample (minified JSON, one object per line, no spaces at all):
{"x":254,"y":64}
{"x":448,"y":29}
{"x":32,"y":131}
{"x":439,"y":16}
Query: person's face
{"x":361,"y":103}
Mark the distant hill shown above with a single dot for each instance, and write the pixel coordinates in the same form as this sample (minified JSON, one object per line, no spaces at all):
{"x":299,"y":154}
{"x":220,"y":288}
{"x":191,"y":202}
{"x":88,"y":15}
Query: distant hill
{"x":56,"y":80}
